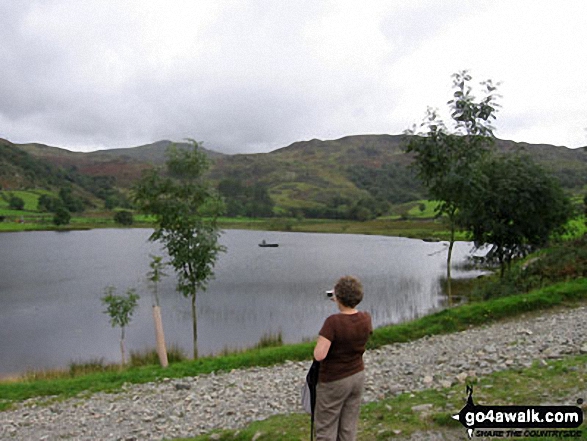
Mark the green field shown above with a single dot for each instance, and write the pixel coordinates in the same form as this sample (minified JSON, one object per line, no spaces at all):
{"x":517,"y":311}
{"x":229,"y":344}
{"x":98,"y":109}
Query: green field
{"x":416,"y":219}
{"x":420,"y":225}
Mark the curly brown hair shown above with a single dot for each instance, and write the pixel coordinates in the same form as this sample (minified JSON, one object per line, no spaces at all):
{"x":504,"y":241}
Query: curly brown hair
{"x":349,"y":291}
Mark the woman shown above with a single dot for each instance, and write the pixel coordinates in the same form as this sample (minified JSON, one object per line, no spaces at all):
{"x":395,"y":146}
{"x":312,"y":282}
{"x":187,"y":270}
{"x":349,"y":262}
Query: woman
{"x":340,"y":348}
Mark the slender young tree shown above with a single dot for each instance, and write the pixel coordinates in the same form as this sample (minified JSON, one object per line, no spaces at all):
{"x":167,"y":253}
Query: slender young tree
{"x":154,"y":276}
{"x":445,"y":158}
{"x":186,"y":208}
{"x":120,"y":309}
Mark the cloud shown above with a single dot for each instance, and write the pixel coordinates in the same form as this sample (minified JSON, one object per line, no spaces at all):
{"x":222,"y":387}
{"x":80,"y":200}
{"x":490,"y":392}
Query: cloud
{"x":258,"y":75}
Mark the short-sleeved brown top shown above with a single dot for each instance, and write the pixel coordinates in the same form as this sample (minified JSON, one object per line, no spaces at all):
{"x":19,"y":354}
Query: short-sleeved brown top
{"x":348,"y":334}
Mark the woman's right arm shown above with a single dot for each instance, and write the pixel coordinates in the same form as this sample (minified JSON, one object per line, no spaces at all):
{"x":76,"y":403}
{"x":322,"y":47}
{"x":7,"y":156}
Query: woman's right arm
{"x":322,"y":348}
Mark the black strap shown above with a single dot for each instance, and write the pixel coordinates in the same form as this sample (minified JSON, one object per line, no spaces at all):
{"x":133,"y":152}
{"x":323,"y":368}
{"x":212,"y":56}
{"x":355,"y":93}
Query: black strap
{"x":312,"y":380}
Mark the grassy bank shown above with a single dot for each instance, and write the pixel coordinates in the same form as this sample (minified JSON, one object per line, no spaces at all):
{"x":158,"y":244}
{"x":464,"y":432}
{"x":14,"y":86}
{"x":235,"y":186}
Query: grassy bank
{"x":560,"y":381}
{"x":417,"y":229}
{"x":454,"y":319}
{"x":419,"y":225}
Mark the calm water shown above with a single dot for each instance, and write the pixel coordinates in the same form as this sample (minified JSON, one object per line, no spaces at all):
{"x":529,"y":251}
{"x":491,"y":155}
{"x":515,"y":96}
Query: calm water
{"x":51,"y":284}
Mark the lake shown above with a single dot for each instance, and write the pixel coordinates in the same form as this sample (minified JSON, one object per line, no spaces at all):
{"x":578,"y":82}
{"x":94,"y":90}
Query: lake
{"x":51,"y":284}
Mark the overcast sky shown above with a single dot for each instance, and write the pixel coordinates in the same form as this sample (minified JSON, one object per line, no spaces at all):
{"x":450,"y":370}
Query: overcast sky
{"x":254,"y":75}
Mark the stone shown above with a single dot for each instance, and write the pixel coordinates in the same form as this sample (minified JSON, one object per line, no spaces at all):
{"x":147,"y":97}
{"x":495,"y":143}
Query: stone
{"x":421,"y":408}
{"x":462,"y":377}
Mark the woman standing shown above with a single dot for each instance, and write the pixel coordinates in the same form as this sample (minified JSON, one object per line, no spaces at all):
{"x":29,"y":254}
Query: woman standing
{"x":340,"y":347}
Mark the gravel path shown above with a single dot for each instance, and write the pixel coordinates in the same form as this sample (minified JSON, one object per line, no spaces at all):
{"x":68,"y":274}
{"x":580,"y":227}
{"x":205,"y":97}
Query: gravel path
{"x":191,"y":406}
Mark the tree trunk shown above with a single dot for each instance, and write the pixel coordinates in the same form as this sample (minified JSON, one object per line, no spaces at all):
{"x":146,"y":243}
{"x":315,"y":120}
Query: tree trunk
{"x":160,"y":337}
{"x":448,"y":264}
{"x":122,"y":349}
{"x":195,"y":326}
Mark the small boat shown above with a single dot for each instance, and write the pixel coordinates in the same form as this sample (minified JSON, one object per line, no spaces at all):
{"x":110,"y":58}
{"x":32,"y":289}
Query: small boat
{"x":268,"y":245}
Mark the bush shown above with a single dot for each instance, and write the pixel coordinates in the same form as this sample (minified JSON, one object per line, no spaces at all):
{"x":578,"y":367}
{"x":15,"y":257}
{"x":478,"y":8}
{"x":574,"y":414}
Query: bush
{"x":15,"y":203}
{"x":123,"y":217}
{"x":62,"y":216}
{"x":559,"y":263}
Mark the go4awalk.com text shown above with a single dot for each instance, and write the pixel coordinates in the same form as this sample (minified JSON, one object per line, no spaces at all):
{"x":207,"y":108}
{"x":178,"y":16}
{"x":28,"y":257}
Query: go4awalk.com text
{"x":520,"y":421}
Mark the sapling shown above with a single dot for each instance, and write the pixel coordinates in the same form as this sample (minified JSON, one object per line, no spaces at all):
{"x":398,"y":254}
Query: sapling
{"x":120,"y":309}
{"x":154,"y":277}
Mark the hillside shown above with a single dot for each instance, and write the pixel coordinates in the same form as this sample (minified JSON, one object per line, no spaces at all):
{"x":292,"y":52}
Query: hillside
{"x":321,"y":178}
{"x":30,"y":169}
{"x":22,"y":170}
{"x":124,"y":164}
{"x":18,"y":169}
{"x":324,"y":175}
{"x":313,"y":178}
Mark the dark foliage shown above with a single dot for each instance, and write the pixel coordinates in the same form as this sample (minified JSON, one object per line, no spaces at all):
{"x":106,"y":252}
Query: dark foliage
{"x":559,"y":263}
{"x":514,"y":205}
{"x":15,"y":203}
{"x":245,"y":200}
{"x":393,"y":183}
{"x":124,"y":217}
{"x":62,"y":216}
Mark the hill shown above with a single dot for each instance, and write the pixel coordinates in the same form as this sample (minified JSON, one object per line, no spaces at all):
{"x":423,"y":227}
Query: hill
{"x":313,"y":178}
{"x":28,"y":169}
{"x":21,"y":170}
{"x":323,"y":177}
{"x":124,"y":165}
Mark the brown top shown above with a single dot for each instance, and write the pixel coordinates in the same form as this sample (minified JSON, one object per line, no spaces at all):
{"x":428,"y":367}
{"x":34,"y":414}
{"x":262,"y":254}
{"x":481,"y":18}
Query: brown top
{"x":348,"y":334}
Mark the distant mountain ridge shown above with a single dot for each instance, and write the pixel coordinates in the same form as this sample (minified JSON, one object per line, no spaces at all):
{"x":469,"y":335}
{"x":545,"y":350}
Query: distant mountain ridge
{"x":308,"y":175}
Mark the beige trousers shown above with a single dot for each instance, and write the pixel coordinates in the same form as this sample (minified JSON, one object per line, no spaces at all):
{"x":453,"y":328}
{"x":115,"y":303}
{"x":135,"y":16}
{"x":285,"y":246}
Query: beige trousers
{"x":338,"y":404}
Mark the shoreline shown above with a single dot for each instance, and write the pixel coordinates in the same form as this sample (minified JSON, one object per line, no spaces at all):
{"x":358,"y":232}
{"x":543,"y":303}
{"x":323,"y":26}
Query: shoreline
{"x":425,"y":229}
{"x":193,"y":406}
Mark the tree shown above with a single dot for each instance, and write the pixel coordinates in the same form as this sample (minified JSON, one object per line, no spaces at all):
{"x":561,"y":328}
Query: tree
{"x":186,"y":209}
{"x":62,"y":216}
{"x":48,"y":203}
{"x":71,"y":202}
{"x":120,"y":309}
{"x":445,"y":158}
{"x":243,"y":200}
{"x":15,"y":203}
{"x":123,"y":217}
{"x":155,"y":276}
{"x":514,"y":205}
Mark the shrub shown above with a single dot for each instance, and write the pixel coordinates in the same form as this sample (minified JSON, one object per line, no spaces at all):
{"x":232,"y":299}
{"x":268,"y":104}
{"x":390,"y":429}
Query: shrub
{"x":62,"y":216}
{"x":559,"y":263}
{"x":15,"y":203}
{"x":123,"y":217}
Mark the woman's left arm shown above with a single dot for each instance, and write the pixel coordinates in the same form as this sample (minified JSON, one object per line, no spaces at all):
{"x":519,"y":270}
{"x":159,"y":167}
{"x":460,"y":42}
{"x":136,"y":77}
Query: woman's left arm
{"x":322,"y":348}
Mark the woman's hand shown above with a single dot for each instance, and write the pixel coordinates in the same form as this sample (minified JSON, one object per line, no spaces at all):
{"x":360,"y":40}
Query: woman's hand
{"x":322,"y":348}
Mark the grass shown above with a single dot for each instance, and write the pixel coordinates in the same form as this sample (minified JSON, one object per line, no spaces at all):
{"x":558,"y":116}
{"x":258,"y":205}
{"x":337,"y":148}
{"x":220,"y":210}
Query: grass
{"x":147,"y":357}
{"x":417,"y":229}
{"x":421,"y":225}
{"x":562,"y":381}
{"x":382,"y":227}
{"x":30,"y":198}
{"x":451,"y":320}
